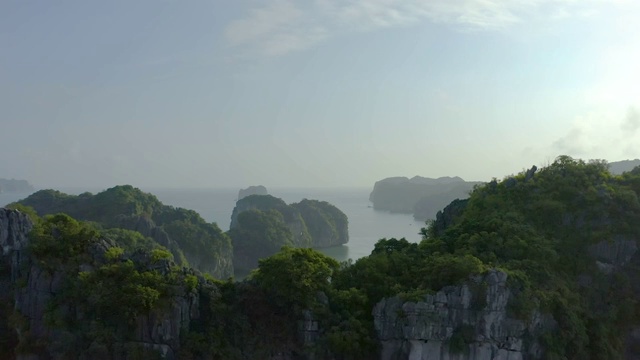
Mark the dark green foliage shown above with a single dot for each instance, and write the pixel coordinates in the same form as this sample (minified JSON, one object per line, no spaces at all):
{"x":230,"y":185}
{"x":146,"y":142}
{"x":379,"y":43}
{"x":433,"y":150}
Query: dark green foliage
{"x":262,"y":224}
{"x":98,"y":306}
{"x":539,"y":229}
{"x":461,"y":338}
{"x":259,"y":234}
{"x":290,"y":216}
{"x":326,"y":224}
{"x":294,"y":276}
{"x":60,"y":241}
{"x":129,"y":240}
{"x":193,"y":241}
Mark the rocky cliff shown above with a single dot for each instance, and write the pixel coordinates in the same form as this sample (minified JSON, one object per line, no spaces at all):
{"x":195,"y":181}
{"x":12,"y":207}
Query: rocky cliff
{"x":38,"y":290}
{"x":81,"y":303}
{"x":465,"y":322}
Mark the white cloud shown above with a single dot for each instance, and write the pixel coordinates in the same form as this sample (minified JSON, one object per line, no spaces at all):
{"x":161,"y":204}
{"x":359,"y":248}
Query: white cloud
{"x":281,"y":26}
{"x":631,"y":123}
{"x":612,"y":136}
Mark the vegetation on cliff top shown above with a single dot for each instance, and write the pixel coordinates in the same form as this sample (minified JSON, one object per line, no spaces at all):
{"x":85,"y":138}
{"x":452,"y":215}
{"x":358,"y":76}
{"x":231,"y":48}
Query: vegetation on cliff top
{"x":190,"y":238}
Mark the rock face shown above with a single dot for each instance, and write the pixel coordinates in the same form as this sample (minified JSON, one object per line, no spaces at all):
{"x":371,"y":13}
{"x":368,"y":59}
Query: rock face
{"x":466,"y":322}
{"x":419,"y":196}
{"x":252,"y":190}
{"x":156,"y":333}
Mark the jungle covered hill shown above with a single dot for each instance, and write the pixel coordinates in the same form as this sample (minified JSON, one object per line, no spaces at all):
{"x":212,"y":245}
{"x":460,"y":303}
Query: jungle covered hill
{"x":540,"y":265}
{"x":261,"y":225}
{"x":139,"y":220}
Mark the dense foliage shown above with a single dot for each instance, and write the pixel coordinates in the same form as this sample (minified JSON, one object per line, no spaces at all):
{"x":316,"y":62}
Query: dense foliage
{"x":549,"y":230}
{"x":327,"y":225}
{"x":100,"y":293}
{"x":544,"y":229}
{"x":262,"y":224}
{"x":191,"y":240}
{"x":258,"y":234}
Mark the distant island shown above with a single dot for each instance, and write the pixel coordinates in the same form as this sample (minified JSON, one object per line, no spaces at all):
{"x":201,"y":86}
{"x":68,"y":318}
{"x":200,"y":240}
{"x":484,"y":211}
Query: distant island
{"x":262,"y":224}
{"x":420,"y":196}
{"x":252,"y":190}
{"x":618,"y":167}
{"x":15,"y":186}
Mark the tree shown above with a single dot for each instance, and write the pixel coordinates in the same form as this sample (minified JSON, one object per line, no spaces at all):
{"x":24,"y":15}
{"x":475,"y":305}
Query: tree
{"x":295,"y":276}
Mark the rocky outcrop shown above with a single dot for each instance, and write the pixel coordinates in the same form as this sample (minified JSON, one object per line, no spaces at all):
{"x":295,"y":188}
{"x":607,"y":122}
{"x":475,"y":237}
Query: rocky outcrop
{"x":155,"y":333}
{"x":464,"y":322}
{"x":447,"y":216}
{"x":252,"y":190}
{"x":612,"y":255}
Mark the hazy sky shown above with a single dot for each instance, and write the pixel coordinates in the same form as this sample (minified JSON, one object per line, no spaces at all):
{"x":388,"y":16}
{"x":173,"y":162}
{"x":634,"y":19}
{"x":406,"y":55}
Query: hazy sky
{"x":209,"y":93}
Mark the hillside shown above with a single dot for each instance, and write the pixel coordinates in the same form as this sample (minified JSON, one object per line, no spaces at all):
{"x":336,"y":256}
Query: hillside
{"x":191,"y":240}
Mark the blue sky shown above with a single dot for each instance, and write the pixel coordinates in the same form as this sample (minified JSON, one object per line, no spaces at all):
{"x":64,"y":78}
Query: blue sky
{"x":219,"y":93}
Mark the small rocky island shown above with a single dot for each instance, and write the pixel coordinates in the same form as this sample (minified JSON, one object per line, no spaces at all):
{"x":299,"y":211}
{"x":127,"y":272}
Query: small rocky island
{"x":15,"y":186}
{"x":420,"y":196}
{"x":262,"y":224}
{"x":252,"y":190}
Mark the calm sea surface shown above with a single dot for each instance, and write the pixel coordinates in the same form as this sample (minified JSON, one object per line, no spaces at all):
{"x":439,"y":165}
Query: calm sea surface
{"x":366,"y":226}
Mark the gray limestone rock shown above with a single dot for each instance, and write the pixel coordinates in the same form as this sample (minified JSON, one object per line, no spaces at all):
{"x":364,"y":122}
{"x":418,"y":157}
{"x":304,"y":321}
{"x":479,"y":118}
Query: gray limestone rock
{"x":424,"y":330}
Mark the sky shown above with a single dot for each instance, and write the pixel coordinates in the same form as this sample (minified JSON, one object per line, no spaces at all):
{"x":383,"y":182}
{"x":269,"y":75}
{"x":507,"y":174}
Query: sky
{"x":314,"y":93}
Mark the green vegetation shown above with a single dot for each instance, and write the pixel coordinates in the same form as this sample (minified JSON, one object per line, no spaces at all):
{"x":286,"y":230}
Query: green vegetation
{"x":545,"y":229}
{"x":327,"y":225}
{"x":262,"y":224}
{"x":258,"y":234}
{"x":96,"y":306}
{"x":123,"y":211}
